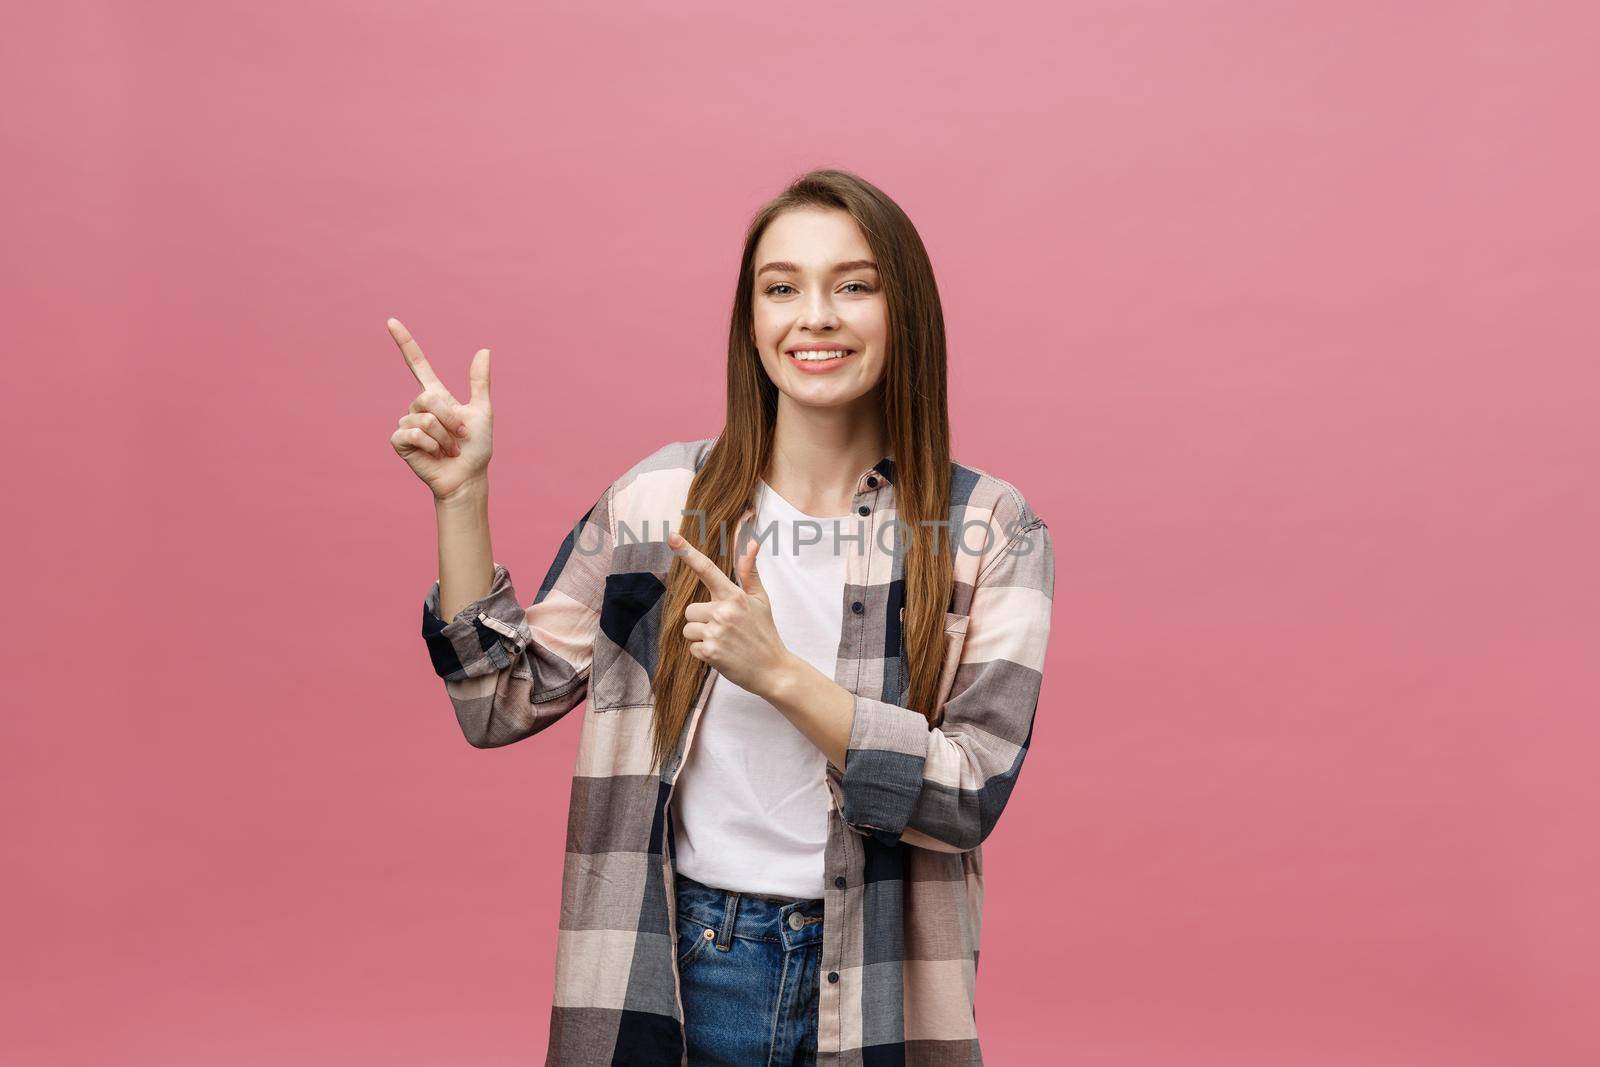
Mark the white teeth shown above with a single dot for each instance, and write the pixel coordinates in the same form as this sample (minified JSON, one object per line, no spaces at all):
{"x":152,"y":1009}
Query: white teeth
{"x":812,"y":356}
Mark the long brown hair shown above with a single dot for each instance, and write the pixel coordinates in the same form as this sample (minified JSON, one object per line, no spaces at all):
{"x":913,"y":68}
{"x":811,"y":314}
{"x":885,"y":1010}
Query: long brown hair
{"x":918,"y":428}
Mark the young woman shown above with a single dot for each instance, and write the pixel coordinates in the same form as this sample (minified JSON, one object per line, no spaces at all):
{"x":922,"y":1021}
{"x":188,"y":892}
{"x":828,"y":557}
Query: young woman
{"x":784,"y":868}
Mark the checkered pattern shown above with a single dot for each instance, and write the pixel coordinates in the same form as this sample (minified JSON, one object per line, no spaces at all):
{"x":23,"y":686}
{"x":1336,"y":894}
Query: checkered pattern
{"x":908,"y":811}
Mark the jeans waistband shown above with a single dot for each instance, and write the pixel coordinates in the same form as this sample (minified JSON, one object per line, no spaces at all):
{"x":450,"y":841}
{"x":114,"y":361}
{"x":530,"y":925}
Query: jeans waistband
{"x":793,"y":922}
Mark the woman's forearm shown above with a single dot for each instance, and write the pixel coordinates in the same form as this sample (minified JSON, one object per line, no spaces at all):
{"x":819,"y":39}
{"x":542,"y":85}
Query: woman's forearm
{"x":466,"y":558}
{"x":819,"y":707}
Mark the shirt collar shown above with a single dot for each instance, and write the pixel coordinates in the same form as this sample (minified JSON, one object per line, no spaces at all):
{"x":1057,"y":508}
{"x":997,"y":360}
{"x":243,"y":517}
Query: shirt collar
{"x":882,"y":471}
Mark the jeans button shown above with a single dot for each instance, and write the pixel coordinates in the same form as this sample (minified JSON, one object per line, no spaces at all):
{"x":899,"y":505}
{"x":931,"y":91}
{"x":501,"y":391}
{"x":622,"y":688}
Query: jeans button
{"x":795,"y":920}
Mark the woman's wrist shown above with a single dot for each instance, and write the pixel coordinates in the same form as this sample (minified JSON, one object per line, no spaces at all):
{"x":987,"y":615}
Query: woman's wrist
{"x":781,"y":685}
{"x":472,"y":493}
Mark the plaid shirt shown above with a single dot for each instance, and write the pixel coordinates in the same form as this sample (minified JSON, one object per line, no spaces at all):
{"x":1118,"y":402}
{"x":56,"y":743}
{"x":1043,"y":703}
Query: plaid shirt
{"x":907,"y":812}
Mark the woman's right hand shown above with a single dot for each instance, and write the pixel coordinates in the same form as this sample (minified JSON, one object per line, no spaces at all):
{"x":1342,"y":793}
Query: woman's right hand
{"x":447,"y":443}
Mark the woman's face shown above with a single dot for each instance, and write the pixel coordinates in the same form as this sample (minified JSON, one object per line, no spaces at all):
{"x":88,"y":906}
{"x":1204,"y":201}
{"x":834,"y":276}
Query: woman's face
{"x":815,"y":287}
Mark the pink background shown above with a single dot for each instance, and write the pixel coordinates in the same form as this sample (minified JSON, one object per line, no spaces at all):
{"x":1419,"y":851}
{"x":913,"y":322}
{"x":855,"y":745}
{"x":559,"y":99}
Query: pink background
{"x":1282,"y":315}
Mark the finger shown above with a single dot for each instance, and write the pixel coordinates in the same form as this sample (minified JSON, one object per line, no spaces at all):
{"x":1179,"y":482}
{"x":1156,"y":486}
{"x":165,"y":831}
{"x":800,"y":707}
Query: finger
{"x":443,"y":407}
{"x":478,"y":375}
{"x":409,"y":348}
{"x":695,"y":631}
{"x":429,"y":423}
{"x":718,"y":583}
{"x":410,"y":439}
{"x":699,"y":611}
{"x":749,"y":576}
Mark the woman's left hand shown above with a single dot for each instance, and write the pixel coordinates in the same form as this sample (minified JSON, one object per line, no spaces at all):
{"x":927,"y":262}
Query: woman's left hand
{"x":734,"y":631}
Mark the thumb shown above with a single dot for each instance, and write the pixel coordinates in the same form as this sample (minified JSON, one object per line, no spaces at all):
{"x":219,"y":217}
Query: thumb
{"x":749,"y":575}
{"x":478,"y":375}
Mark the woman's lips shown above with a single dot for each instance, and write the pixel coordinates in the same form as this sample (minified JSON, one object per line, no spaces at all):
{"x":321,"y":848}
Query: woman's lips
{"x":819,"y":366}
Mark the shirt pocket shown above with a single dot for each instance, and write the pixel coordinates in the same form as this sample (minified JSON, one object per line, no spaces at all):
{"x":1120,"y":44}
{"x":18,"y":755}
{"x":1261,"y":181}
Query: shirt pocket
{"x":631,"y":611}
{"x":955,"y":639}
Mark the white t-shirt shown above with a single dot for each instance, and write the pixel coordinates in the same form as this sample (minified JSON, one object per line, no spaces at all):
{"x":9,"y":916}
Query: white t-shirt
{"x":750,"y":805}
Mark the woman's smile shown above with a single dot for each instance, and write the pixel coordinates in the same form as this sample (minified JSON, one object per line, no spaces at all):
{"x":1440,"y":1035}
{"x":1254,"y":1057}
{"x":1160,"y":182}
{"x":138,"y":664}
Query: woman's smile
{"x":819,"y":361}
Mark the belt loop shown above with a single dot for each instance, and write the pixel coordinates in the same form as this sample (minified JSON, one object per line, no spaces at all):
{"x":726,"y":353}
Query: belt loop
{"x":730,"y":910}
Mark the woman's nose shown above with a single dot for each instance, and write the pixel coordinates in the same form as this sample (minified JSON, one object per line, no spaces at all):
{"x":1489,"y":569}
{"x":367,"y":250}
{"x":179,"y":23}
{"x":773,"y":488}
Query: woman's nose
{"x":819,"y":314}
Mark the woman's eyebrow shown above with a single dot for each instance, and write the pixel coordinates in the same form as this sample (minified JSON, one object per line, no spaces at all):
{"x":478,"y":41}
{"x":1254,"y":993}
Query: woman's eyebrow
{"x":784,"y":266}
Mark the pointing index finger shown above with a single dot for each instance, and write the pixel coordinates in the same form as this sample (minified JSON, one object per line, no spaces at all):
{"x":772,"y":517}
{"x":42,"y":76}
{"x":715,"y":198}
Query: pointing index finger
{"x":415,"y":360}
{"x":719,"y":584}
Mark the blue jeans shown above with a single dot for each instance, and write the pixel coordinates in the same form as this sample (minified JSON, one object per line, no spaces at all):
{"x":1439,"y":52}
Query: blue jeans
{"x":748,"y":967}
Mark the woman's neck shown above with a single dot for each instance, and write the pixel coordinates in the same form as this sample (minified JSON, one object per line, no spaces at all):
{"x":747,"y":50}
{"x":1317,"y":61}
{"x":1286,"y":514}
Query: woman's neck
{"x":817,"y":455}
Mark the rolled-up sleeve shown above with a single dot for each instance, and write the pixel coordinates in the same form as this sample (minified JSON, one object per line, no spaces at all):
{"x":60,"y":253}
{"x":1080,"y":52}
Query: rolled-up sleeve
{"x":482,"y":638}
{"x":945,"y":786}
{"x":511,"y":671}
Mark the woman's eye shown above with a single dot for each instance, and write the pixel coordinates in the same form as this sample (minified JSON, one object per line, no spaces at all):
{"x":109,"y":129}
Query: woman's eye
{"x":771,"y":290}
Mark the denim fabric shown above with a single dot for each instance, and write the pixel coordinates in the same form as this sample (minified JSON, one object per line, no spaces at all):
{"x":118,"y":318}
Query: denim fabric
{"x":750,"y":987}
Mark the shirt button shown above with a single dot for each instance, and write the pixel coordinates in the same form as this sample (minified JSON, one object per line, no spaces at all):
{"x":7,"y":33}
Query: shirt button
{"x":833,"y":976}
{"x":872,"y":483}
{"x":839,"y":881}
{"x":863,"y":510}
{"x":857,"y":607}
